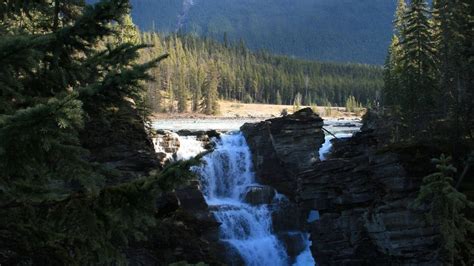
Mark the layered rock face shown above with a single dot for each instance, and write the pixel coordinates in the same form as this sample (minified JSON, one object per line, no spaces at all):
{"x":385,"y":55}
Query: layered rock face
{"x":282,"y":147}
{"x":363,"y":195}
{"x":357,"y":205}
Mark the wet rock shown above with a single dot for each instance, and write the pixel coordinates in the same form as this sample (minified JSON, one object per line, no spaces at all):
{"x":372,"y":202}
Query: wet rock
{"x":284,"y":146}
{"x":166,"y":142}
{"x":286,"y":217}
{"x":294,"y":243}
{"x":191,"y":199}
{"x":256,"y":195}
{"x":229,"y":254}
{"x":213,"y":134}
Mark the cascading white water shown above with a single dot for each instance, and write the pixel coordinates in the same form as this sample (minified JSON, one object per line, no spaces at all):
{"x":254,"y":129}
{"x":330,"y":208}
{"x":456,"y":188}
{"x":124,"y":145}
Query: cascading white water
{"x":226,"y":175}
{"x":189,"y":147}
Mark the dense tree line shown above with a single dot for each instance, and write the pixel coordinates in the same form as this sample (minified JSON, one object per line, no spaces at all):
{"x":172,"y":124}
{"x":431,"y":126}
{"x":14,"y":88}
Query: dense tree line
{"x":430,"y":68}
{"x":68,"y":79}
{"x":201,"y":68}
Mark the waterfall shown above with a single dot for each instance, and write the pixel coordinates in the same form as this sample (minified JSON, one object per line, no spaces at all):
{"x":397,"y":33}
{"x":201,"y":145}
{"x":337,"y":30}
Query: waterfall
{"x":189,"y":147}
{"x":225,"y":175}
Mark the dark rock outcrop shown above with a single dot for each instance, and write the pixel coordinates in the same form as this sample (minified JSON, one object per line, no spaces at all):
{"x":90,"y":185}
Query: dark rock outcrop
{"x":294,"y":243}
{"x":257,"y":195}
{"x":360,"y":199}
{"x":282,"y":147}
{"x":120,"y":143}
{"x":363,"y":195}
{"x":186,"y":230}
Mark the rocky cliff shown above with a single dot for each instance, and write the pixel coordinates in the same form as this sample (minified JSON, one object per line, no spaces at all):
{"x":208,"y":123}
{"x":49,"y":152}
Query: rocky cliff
{"x":356,"y":204}
{"x":282,"y":147}
{"x":363,"y":195}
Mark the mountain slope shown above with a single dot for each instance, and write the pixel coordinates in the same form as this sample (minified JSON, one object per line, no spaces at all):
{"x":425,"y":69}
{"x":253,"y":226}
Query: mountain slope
{"x":329,"y":30}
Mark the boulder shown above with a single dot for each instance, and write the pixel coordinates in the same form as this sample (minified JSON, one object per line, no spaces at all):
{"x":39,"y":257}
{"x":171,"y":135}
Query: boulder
{"x":256,"y":195}
{"x":282,"y":147}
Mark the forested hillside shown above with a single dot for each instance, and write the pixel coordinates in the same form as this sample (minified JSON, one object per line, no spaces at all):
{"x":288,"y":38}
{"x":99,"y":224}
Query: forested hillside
{"x":199,"y":71}
{"x":343,"y":30}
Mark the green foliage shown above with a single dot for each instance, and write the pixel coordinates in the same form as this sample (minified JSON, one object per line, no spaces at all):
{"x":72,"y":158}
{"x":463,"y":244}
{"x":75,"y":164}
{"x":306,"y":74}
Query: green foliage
{"x":429,"y":67}
{"x":127,"y":31}
{"x":210,"y":95}
{"x":61,"y":80}
{"x":352,"y":105}
{"x":447,"y":211}
{"x":242,"y":76}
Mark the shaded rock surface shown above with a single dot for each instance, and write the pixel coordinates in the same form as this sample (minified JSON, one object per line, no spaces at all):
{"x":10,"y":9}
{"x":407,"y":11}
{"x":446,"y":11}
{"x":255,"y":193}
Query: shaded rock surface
{"x":294,"y":243}
{"x":186,"y":231}
{"x":257,"y":195}
{"x":363,"y":195}
{"x":360,"y":197}
{"x":282,"y":147}
{"x":121,"y":144}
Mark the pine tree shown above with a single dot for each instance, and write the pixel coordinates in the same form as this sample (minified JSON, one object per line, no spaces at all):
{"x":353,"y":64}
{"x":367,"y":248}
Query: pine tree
{"x":392,"y":91}
{"x":210,"y":104}
{"x":128,"y":32}
{"x":58,"y":81}
{"x":418,"y":60}
{"x":447,"y":212}
{"x":453,"y":29}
